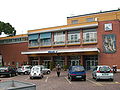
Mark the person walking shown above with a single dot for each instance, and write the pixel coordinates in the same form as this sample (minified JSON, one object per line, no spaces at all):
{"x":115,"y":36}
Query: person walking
{"x":58,"y":69}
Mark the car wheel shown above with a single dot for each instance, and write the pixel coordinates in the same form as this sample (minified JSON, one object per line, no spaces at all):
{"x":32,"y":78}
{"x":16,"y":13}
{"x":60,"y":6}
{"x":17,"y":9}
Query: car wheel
{"x":25,"y":73}
{"x":111,"y":79}
{"x":31,"y":77}
{"x":10,"y":75}
{"x":84,"y":79}
{"x":48,"y":72}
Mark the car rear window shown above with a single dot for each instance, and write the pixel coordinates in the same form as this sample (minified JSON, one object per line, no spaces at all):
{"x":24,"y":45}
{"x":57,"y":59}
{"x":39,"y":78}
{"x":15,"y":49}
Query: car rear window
{"x":104,"y":68}
{"x":77,"y":69}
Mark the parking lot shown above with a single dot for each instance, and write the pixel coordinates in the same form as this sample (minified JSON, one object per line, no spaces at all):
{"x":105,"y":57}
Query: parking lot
{"x":52,"y":82}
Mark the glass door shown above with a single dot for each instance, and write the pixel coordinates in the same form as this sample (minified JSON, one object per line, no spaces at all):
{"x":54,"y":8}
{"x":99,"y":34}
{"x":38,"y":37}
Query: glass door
{"x":47,"y":63}
{"x":74,"y":62}
{"x":90,"y":64}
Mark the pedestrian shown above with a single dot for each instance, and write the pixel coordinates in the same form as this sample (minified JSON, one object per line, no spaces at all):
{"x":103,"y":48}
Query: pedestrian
{"x":58,"y":69}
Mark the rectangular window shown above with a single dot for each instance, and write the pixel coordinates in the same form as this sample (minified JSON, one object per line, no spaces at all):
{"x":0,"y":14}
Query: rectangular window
{"x":73,"y":37}
{"x":90,"y":19}
{"x":59,"y":38}
{"x":74,"y":21}
{"x":33,"y":39}
{"x":90,"y":36}
{"x":45,"y":39}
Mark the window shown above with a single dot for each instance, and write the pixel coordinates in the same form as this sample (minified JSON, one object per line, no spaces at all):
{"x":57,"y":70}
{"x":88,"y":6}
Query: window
{"x":45,"y":39}
{"x":90,"y":36}
{"x":59,"y":38}
{"x":90,"y":19}
{"x":73,"y":37}
{"x":74,"y":21}
{"x":33,"y":39}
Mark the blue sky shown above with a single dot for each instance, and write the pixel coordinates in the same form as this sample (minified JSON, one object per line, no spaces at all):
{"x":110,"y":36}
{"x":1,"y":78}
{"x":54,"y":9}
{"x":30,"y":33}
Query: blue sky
{"x":27,"y":15}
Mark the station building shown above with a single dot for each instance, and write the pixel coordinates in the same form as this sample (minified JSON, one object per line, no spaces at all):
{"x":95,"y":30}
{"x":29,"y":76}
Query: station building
{"x":88,"y":40}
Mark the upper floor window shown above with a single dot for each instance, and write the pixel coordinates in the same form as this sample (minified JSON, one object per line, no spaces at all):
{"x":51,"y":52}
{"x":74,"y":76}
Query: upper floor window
{"x":90,"y":36}
{"x":45,"y":39}
{"x":73,"y":37}
{"x":74,"y":21}
{"x":59,"y":38}
{"x":90,"y":19}
{"x":33,"y":39}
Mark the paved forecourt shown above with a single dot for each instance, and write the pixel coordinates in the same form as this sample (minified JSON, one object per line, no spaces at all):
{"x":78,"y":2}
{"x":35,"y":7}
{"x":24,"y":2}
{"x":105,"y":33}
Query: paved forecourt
{"x":52,"y":82}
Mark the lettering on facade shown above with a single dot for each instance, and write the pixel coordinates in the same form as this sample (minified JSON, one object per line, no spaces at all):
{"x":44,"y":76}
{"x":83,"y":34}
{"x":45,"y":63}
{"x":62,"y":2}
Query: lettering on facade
{"x":52,"y":51}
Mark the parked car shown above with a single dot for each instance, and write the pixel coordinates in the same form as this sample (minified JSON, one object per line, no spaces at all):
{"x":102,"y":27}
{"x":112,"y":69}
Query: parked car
{"x":45,"y":70}
{"x":25,"y":69}
{"x":102,"y":72}
{"x":36,"y":71}
{"x":76,"y":72}
{"x":8,"y":71}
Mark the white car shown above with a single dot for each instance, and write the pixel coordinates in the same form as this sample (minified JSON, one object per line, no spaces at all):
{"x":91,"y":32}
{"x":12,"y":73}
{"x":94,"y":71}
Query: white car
{"x":45,"y":70}
{"x":36,"y":71}
{"x":102,"y":72}
{"x":25,"y":69}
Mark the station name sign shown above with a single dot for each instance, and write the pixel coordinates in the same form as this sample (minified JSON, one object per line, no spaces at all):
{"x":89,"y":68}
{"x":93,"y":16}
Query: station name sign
{"x":52,"y":51}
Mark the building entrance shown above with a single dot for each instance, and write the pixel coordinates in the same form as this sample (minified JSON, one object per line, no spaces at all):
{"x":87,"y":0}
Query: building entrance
{"x":90,"y":61}
{"x":59,"y":60}
{"x":74,"y":62}
{"x":47,"y":63}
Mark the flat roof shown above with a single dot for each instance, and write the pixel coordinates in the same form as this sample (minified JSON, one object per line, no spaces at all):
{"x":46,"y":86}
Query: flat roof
{"x":16,"y":36}
{"x":94,"y":13}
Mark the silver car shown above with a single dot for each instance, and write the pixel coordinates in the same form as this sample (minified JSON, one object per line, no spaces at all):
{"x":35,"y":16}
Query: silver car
{"x":102,"y":72}
{"x":25,"y":69}
{"x":45,"y":70}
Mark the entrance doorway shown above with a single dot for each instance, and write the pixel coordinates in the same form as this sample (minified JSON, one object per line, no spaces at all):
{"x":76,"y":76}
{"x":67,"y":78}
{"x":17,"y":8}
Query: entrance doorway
{"x":47,"y":63}
{"x":90,"y":61}
{"x":59,"y":60}
{"x":74,"y":62}
{"x":34,"y":62}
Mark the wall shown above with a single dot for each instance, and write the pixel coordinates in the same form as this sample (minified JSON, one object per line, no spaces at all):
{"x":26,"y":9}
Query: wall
{"x":109,"y":58}
{"x":12,"y":52}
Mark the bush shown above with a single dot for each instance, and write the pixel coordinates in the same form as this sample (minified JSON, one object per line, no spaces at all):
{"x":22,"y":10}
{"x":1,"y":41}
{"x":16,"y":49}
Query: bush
{"x":65,"y":67}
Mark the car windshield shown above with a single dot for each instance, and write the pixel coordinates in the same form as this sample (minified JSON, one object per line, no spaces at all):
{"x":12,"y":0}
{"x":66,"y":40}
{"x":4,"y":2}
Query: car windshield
{"x":77,"y":69}
{"x":105,"y":68}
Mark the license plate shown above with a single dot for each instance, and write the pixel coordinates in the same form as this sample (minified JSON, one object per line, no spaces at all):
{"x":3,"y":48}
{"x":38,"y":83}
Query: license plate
{"x":78,"y":76}
{"x":104,"y":74}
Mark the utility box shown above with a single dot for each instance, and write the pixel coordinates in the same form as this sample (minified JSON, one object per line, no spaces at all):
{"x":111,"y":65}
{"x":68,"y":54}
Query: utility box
{"x":16,"y":85}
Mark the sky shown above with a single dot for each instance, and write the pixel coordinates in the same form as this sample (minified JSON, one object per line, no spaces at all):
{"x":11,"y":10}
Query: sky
{"x":26,"y":15}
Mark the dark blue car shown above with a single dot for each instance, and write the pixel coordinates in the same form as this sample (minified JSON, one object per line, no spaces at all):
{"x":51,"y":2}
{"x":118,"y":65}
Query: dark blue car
{"x":76,"y":72}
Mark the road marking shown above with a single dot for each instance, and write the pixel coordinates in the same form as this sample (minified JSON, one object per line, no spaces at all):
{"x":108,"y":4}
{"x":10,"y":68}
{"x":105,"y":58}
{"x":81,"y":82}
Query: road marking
{"x":96,"y":83}
{"x":111,"y":82}
{"x":46,"y":79}
{"x":67,"y":80}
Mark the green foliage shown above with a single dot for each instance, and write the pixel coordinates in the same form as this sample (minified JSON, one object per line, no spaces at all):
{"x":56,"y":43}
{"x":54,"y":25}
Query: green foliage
{"x":65,"y":67}
{"x":52,"y":65}
{"x":7,"y":29}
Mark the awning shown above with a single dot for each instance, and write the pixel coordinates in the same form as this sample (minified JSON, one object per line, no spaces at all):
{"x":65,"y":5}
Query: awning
{"x":62,"y":51}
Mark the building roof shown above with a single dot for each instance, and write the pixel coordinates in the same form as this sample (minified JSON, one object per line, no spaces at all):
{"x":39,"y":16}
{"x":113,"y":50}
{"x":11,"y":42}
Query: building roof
{"x":94,"y":13}
{"x":16,"y":36}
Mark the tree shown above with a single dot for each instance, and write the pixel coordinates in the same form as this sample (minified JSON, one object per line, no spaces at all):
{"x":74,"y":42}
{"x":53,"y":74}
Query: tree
{"x":7,"y":29}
